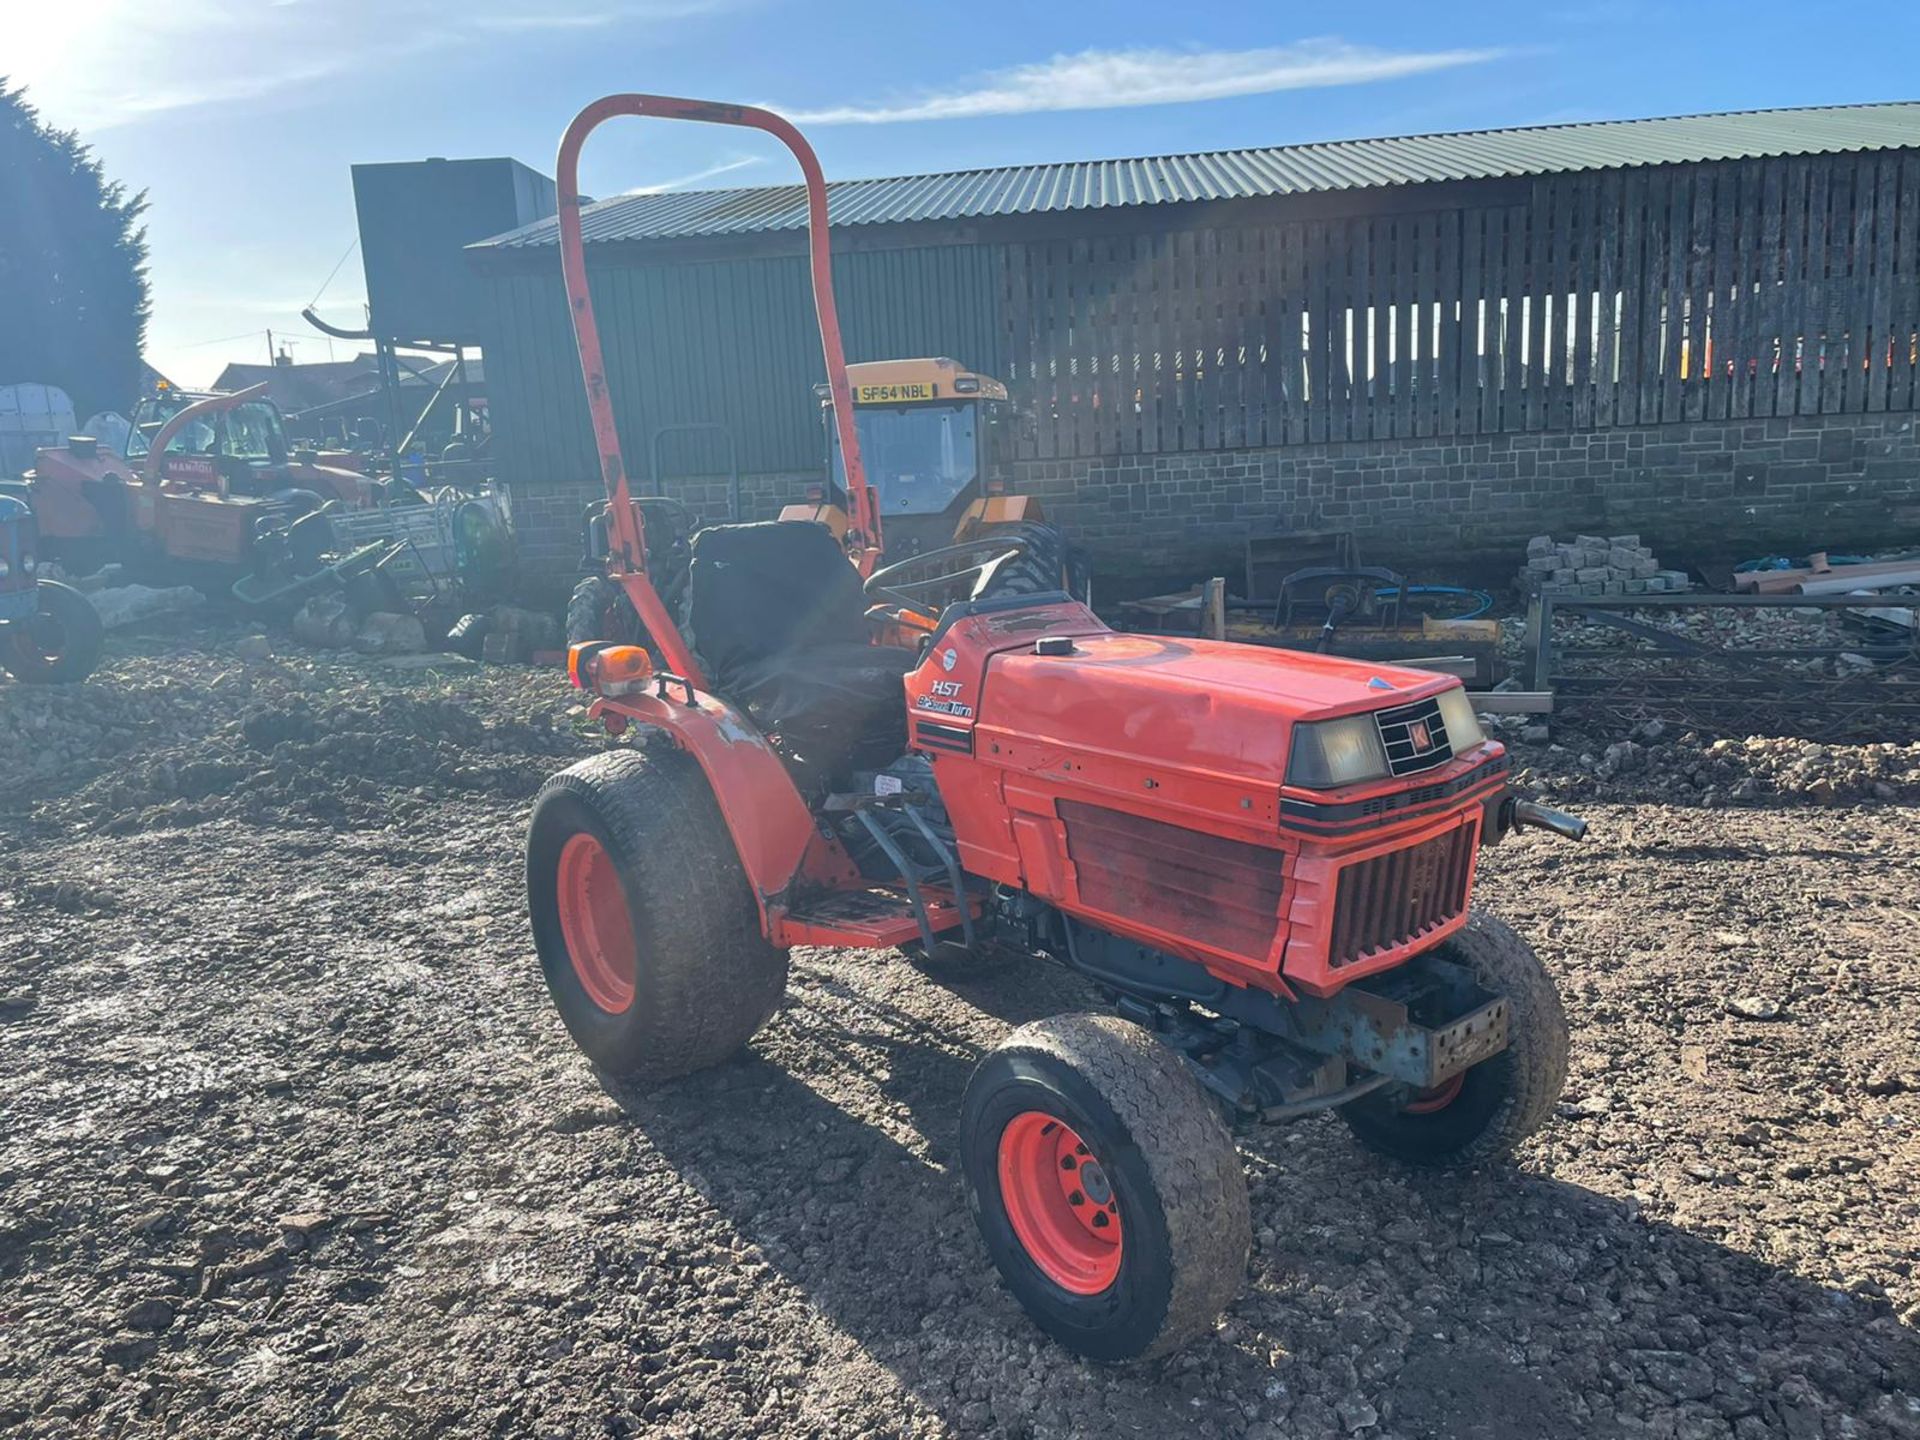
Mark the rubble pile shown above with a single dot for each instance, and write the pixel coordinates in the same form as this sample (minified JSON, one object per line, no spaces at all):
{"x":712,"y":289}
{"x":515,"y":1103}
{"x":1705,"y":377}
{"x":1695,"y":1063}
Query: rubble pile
{"x":217,"y":725}
{"x":1771,"y":628}
{"x":1596,"y":565}
{"x":1658,"y":762}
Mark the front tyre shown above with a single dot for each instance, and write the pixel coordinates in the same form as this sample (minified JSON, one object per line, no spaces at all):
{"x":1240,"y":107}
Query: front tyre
{"x":57,"y":644}
{"x":648,"y":933}
{"x":1481,"y":1115}
{"x":1105,"y":1186}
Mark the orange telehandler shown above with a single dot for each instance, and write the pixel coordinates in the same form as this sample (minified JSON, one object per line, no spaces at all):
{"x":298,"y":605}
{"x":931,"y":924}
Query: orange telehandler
{"x":204,"y":479}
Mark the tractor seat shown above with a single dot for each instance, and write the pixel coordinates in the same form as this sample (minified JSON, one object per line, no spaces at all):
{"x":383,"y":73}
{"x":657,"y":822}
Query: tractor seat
{"x":778,"y":618}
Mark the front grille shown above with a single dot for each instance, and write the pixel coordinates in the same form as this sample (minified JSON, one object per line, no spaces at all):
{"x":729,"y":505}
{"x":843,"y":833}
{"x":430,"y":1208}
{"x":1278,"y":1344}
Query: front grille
{"x":1415,"y":737}
{"x":1398,"y":897}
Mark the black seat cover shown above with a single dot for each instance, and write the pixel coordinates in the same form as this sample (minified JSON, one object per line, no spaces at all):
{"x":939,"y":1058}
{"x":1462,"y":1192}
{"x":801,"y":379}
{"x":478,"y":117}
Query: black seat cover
{"x":778,"y":619}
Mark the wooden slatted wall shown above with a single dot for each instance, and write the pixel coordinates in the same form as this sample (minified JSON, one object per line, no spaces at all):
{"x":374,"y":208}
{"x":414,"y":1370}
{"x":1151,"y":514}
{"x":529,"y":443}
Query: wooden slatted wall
{"x":1632,"y":297}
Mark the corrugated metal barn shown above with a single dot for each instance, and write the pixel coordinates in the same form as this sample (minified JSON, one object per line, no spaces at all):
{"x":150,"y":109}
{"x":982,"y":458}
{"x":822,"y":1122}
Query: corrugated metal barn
{"x":1376,"y":334}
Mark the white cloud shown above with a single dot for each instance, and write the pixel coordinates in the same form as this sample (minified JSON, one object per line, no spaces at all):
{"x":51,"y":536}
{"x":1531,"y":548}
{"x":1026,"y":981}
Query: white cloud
{"x":1118,"y":79}
{"x":515,"y":24}
{"x":95,"y":64}
{"x":680,"y":182}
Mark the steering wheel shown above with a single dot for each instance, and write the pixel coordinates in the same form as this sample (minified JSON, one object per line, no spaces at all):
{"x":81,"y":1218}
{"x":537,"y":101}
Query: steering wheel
{"x":897,"y":582}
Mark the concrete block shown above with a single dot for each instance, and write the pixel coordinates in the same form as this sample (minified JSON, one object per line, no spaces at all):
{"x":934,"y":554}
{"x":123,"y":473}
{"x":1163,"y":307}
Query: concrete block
{"x":1619,"y":572}
{"x":1569,"y":554}
{"x":1676,"y":579}
{"x":1566,"y":577}
{"x":1646,"y":569}
{"x":1590,"y":542}
{"x":1539,"y":545}
{"x":1543,"y":564}
{"x":1613,"y":587}
{"x":1627,"y":541}
{"x":1636,"y":587}
{"x":1622,"y":557}
{"x":1591,"y":574}
{"x":1591,"y":556}
{"x":1655,"y":585}
{"x":1593,"y":587}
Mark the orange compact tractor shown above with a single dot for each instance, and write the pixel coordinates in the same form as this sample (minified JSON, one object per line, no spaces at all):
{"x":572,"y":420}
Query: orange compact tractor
{"x":1263,"y":860}
{"x":203,"y":479}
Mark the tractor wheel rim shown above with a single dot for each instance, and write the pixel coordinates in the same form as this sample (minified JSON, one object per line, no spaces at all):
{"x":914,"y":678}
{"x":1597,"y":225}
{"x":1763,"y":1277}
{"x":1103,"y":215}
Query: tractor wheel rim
{"x":1060,"y":1203}
{"x":595,"y":925}
{"x":1425,"y":1102}
{"x":46,"y":634}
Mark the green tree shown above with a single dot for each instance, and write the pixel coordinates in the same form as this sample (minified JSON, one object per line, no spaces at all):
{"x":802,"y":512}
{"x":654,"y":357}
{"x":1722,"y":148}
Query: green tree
{"x":73,"y":265}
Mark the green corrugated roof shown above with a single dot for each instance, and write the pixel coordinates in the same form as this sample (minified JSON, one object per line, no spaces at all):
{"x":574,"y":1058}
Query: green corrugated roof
{"x":1247,"y":174}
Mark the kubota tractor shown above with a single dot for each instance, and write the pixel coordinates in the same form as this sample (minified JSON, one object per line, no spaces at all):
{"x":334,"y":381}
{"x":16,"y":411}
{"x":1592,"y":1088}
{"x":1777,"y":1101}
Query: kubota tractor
{"x":1263,"y":860}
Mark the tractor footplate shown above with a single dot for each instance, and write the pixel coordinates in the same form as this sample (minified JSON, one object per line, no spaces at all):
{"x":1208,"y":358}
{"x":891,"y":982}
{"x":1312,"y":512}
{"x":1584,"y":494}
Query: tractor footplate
{"x":1421,"y":1024}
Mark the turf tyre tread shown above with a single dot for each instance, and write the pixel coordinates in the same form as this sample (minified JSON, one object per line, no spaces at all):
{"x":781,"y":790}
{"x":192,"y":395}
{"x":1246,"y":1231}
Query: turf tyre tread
{"x":707,"y":979}
{"x":1169,"y":1123}
{"x":1517,"y":1089}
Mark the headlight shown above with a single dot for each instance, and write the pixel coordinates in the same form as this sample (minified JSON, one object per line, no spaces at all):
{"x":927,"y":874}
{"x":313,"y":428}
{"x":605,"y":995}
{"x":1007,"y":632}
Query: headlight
{"x":4,"y":567}
{"x":1336,"y":752}
{"x":1463,"y":726}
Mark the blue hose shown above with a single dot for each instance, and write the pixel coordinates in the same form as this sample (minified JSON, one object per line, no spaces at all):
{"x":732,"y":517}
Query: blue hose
{"x":1485,"y":600}
{"x":1784,"y":562}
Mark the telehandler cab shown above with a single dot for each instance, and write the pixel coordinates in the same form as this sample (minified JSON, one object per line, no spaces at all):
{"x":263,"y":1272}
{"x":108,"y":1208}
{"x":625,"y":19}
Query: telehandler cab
{"x":934,"y":440}
{"x":1264,"y":860}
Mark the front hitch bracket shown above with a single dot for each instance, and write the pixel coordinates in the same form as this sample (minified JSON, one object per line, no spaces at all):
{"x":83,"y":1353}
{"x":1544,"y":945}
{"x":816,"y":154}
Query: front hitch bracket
{"x":1421,"y":1024}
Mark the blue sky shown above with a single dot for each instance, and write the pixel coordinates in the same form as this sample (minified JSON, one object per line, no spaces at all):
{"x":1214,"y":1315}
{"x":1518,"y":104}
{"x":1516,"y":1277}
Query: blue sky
{"x":241,"y":117}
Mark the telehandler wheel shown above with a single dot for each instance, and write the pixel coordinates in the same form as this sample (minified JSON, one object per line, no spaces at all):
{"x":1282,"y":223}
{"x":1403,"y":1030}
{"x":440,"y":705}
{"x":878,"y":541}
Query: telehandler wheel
{"x":1048,"y":563}
{"x":1483,"y":1114}
{"x":600,"y":610}
{"x":648,"y":934}
{"x":59,"y":643}
{"x":1107,"y":1189}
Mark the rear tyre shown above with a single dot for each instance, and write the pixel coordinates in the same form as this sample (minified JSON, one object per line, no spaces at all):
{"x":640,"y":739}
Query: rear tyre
{"x":1105,"y":1186}
{"x":57,"y":644}
{"x":647,"y":931}
{"x":1483,"y":1114}
{"x":600,"y":610}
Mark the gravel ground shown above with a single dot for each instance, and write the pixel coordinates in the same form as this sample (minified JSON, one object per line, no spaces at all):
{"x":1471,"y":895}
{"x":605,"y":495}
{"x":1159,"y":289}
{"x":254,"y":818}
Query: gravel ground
{"x":294,"y":1144}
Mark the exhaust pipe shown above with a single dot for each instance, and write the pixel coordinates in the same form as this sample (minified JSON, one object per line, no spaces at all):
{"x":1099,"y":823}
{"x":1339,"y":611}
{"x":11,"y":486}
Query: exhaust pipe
{"x":1570,"y":827}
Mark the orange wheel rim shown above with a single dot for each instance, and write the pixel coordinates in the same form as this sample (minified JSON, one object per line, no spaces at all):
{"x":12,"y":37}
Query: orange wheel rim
{"x":1060,"y":1203}
{"x":594,"y":923}
{"x":1425,"y":1102}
